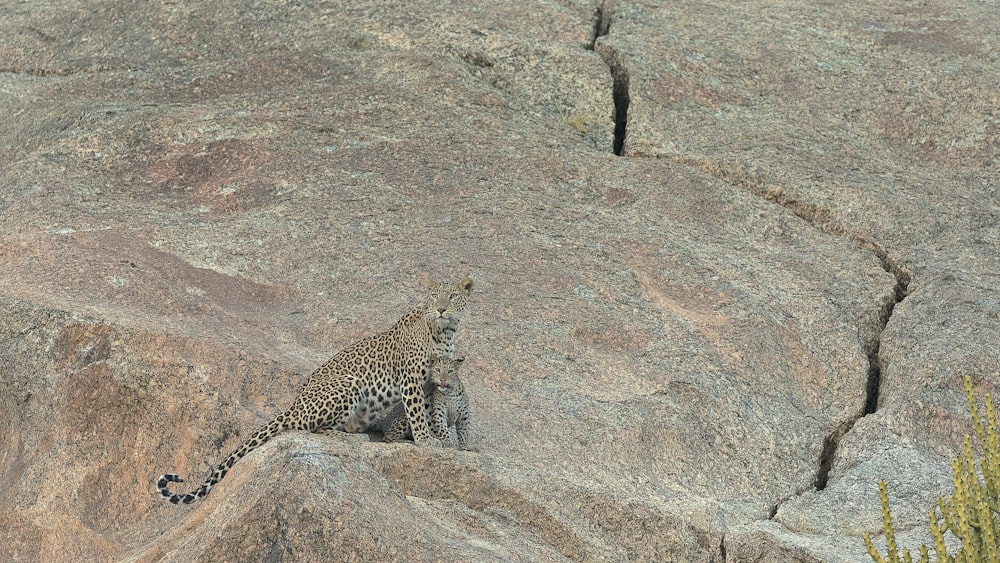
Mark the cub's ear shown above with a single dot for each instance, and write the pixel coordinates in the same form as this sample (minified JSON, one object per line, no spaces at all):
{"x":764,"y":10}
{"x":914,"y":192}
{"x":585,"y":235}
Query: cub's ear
{"x":466,"y":284}
{"x":430,"y":283}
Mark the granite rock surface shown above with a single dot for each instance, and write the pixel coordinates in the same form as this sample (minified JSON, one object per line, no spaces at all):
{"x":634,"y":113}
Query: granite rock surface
{"x":732,"y":264}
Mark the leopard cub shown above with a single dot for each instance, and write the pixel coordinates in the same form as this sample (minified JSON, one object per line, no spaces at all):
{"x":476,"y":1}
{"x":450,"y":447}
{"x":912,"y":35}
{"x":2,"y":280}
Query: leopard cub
{"x":447,"y":408}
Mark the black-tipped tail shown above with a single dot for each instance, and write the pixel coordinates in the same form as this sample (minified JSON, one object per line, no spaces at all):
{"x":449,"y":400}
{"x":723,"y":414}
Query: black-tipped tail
{"x":262,"y":435}
{"x":163,"y":482}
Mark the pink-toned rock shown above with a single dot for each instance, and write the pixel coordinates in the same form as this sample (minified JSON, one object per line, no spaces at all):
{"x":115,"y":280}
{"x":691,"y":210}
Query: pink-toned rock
{"x":668,"y":355}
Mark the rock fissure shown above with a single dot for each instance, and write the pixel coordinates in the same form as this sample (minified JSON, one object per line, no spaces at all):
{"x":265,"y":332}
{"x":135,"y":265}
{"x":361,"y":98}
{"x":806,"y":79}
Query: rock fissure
{"x":874,"y":358}
{"x":602,"y":22}
{"x":773,"y":511}
{"x":621,"y":99}
{"x":826,"y":456}
{"x":619,"y":73}
{"x":822,"y":219}
{"x":874,"y":379}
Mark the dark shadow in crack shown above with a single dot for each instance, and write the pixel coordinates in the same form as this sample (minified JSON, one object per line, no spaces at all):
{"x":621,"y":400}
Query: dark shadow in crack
{"x":619,"y":73}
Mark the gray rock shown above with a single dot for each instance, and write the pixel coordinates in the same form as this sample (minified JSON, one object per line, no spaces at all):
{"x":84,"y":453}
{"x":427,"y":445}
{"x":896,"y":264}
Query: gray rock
{"x":669,"y":355}
{"x":874,"y":124}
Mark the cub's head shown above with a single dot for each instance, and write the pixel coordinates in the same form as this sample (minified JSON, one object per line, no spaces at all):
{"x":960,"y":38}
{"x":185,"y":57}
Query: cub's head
{"x":444,"y":371}
{"x":447,"y":300}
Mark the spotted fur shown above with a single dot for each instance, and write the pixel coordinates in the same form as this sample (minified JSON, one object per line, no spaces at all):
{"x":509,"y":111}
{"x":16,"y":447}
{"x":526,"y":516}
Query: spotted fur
{"x":447,"y":408}
{"x":351,"y":390}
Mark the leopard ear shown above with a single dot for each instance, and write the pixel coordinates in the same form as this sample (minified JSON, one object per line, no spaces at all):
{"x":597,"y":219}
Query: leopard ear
{"x":466,"y":284}
{"x":429,"y":283}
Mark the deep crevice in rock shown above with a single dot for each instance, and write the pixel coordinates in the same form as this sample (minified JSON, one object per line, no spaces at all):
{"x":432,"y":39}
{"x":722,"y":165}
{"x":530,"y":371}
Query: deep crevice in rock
{"x":823,"y":220}
{"x":829,"y":450}
{"x":619,"y":73}
{"x":621,"y":98}
{"x":874,"y":357}
{"x":873,"y":384}
{"x":773,"y":512}
{"x":602,"y":22}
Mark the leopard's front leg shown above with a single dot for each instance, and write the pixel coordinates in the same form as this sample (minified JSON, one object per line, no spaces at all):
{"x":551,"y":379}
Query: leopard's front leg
{"x":416,"y":413}
{"x":439,"y":419}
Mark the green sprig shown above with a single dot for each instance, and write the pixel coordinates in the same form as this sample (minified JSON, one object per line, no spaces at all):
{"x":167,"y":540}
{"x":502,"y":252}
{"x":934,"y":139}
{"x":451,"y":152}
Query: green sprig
{"x":972,"y":512}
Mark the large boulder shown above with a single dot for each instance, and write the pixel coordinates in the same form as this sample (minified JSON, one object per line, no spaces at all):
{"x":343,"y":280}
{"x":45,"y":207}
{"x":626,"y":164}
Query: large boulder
{"x":709,"y":348}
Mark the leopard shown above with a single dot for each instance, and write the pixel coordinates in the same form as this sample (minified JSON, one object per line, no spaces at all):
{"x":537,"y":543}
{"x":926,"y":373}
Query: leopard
{"x":447,"y":408}
{"x":350,"y":391}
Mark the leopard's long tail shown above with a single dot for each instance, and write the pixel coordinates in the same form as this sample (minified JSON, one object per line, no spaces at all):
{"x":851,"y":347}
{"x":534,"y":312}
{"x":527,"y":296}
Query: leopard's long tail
{"x":259,"y":438}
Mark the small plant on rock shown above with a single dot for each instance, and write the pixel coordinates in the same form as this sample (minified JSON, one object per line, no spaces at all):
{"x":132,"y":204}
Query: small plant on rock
{"x":574,"y":120}
{"x":972,"y":513}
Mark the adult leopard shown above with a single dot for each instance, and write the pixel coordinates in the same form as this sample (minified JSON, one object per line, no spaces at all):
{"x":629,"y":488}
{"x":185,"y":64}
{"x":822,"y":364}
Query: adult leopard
{"x":351,"y":390}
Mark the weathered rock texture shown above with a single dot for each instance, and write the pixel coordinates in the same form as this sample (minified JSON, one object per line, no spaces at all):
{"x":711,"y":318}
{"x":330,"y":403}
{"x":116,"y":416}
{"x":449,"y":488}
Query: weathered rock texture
{"x":709,"y":348}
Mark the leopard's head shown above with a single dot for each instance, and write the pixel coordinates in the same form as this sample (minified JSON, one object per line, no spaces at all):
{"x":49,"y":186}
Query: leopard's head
{"x":447,"y":301}
{"x":444,"y":371}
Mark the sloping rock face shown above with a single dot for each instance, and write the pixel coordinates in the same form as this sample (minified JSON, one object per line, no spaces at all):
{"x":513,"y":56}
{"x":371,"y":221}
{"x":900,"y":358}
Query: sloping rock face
{"x":706,"y":347}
